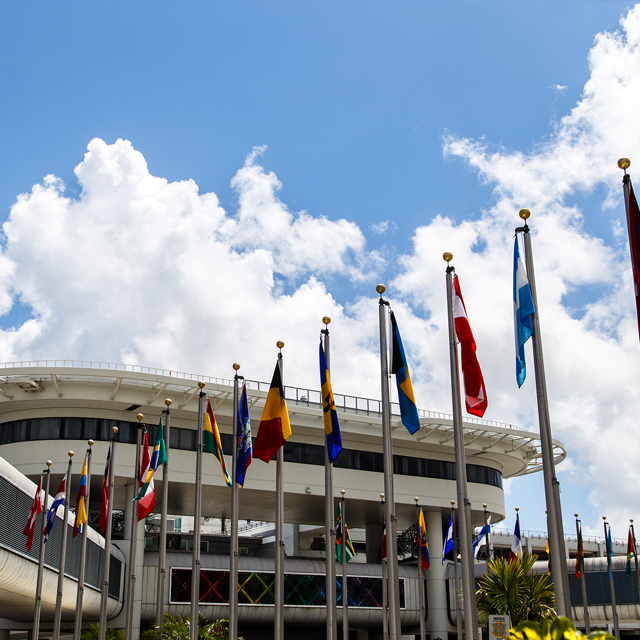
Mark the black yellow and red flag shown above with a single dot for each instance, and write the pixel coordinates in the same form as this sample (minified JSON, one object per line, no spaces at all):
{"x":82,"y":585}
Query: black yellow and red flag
{"x":274,"y":428}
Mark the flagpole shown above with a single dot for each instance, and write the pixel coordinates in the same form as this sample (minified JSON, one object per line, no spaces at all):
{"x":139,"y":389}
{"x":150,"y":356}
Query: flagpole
{"x":385,"y":602}
{"x":345,"y":586}
{"x":583,"y":579}
{"x":456,"y":589}
{"x":197,"y":513}
{"x":77,"y":627}
{"x":57,"y":619}
{"x":279,"y":568}
{"x":38,"y":603}
{"x":329,"y":516}
{"x":104,"y":595}
{"x":420,"y":573}
{"x":233,"y":542}
{"x":487,"y":533}
{"x":551,"y":484}
{"x":612,"y":589}
{"x":635,"y":556}
{"x":133,"y":546}
{"x":162,"y":542}
{"x":387,"y":456}
{"x":464,"y":514}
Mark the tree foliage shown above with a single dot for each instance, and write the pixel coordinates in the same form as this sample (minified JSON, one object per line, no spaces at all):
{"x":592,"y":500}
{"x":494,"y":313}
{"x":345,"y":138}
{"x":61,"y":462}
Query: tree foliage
{"x":509,"y":588}
{"x":93,"y":633}
{"x":176,"y":628}
{"x":557,"y":629}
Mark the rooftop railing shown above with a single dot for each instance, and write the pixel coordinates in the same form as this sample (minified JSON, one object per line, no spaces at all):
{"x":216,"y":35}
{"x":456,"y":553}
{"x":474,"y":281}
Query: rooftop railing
{"x":308,"y":397}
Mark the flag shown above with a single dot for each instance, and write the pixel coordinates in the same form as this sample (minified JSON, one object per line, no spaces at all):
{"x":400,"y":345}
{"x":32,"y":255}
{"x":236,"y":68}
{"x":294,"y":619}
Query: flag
{"x":522,"y":312}
{"x":158,"y":457}
{"x":400,"y":368}
{"x":341,"y":531}
{"x":424,"y":543}
{"x":516,"y":545}
{"x":105,"y":493}
{"x":274,"y":428}
{"x":36,"y":508}
{"x":212,"y":442}
{"x":609,"y":550}
{"x":146,"y":503}
{"x":81,"y":501}
{"x":630,"y":553}
{"x":579,"y":554}
{"x":549,"y":561}
{"x":482,"y":538}
{"x":448,"y":541}
{"x":633,"y":223}
{"x":475,"y":394}
{"x":57,"y":501}
{"x":245,"y":453}
{"x":331,"y":425}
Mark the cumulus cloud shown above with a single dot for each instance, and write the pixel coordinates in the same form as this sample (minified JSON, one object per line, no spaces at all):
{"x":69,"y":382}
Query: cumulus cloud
{"x":140,"y":269}
{"x":380,"y":228}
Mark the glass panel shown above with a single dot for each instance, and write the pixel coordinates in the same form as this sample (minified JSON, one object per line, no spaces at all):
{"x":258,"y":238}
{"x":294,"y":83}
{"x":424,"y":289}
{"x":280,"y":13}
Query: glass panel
{"x":6,"y":433}
{"x":91,"y":429}
{"x":293,"y":452}
{"x":314,"y":454}
{"x":73,"y":428}
{"x":20,"y":430}
{"x":46,"y":429}
{"x":304,"y":590}
{"x":256,"y":588}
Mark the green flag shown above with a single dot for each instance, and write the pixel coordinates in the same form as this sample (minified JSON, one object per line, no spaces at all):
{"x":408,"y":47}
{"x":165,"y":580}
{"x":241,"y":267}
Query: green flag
{"x":341,"y":530}
{"x":158,"y":457}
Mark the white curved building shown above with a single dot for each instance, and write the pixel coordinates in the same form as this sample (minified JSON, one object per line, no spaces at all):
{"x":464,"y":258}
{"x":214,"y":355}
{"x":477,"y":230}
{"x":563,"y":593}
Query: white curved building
{"x":50,"y":407}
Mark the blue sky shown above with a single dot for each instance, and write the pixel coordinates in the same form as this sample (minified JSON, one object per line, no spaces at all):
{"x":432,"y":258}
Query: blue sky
{"x":364,"y":109}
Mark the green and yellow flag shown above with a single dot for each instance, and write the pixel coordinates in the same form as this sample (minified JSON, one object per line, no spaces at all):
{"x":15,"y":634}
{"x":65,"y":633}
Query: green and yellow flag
{"x":212,"y":442}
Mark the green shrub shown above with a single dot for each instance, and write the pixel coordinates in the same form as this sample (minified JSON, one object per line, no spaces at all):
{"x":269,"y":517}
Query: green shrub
{"x":176,"y":628}
{"x":558,"y":629}
{"x":93,"y":633}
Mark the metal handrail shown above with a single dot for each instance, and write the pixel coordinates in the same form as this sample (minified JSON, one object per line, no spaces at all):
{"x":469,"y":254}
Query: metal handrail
{"x":310,"y":397}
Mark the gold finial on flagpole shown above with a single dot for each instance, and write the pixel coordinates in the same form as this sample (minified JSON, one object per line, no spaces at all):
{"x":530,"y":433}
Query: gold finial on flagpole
{"x":604,"y":517}
{"x":381,"y":289}
{"x":517,"y":508}
{"x":326,"y":319}
{"x":453,"y":502}
{"x":575,"y":514}
{"x":279,"y":344}
{"x":49,"y":463}
{"x":524,"y":214}
{"x":447,"y":256}
{"x":416,"y":499}
{"x":139,"y":416}
{"x":201,"y":384}
{"x":71,"y":454}
{"x":624,"y":164}
{"x":114,"y":430}
{"x":90,"y":443}
{"x":168,"y":402}
{"x":236,"y":366}
{"x":382,"y":496}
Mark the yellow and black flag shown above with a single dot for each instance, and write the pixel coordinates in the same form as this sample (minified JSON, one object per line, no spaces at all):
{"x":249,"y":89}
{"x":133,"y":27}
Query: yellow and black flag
{"x":274,"y":428}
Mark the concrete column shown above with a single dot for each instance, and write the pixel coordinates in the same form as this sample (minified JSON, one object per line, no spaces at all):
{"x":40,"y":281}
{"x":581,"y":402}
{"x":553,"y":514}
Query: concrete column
{"x":373,"y":542}
{"x":527,"y":544}
{"x":437,"y":622}
{"x":130,"y":512}
{"x":602,"y":550}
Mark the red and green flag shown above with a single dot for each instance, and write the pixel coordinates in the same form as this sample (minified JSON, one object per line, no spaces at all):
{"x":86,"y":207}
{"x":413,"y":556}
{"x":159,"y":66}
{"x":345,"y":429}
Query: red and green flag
{"x":212,"y":442}
{"x":631,"y":553}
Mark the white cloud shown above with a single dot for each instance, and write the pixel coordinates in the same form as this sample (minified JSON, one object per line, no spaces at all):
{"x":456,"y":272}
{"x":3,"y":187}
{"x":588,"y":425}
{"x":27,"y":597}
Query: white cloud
{"x":140,"y":269}
{"x":380,"y":228}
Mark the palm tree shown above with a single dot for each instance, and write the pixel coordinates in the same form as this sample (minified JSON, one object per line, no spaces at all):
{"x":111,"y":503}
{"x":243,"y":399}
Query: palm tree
{"x":509,"y":588}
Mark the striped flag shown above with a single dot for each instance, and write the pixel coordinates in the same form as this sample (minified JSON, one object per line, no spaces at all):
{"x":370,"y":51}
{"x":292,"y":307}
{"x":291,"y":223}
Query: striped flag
{"x":424,"y":543}
{"x":158,"y":457}
{"x":516,"y":544}
{"x":342,"y":531}
{"x":274,"y":429}
{"x":448,"y":541}
{"x":630,"y":553}
{"x":633,"y":225}
{"x":36,"y":508}
{"x":522,"y":311}
{"x":57,"y":501}
{"x":579,"y":554}
{"x":147,"y":503}
{"x":331,"y":424}
{"x":245,"y":451}
{"x":400,"y":368}
{"x":81,"y":501}
{"x":105,"y":493}
{"x":212,"y":442}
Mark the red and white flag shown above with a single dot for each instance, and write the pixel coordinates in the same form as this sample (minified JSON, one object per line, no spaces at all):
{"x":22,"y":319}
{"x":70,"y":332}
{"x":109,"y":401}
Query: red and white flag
{"x":147,"y":503}
{"x":475,"y":394}
{"x":36,"y":508}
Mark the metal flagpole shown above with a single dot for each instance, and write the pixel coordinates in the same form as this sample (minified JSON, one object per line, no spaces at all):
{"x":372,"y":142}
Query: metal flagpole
{"x":77,"y":627}
{"x":385,"y":601}
{"x":464,"y":514}
{"x":279,"y":577}
{"x":197,"y":511}
{"x":420,"y":573}
{"x":63,"y":552}
{"x":162,"y":541}
{"x":635,"y":556}
{"x":133,"y":546}
{"x":235,"y":495}
{"x":329,"y":516}
{"x":387,"y":455}
{"x":104,"y":595}
{"x":456,"y":588}
{"x":487,"y":532}
{"x":345,"y":585}
{"x":612,"y":588}
{"x":551,"y":484}
{"x":38,"y":603}
{"x":583,"y":579}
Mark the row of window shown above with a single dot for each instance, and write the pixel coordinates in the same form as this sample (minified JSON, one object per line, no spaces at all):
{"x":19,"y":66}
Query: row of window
{"x":258,"y":588}
{"x":100,"y":429}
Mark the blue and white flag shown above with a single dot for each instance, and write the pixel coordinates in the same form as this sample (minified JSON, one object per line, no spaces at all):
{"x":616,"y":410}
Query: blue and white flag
{"x":522,"y":311}
{"x":245,"y":451}
{"x":448,"y":541}
{"x":57,"y":501}
{"x":482,"y":539}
